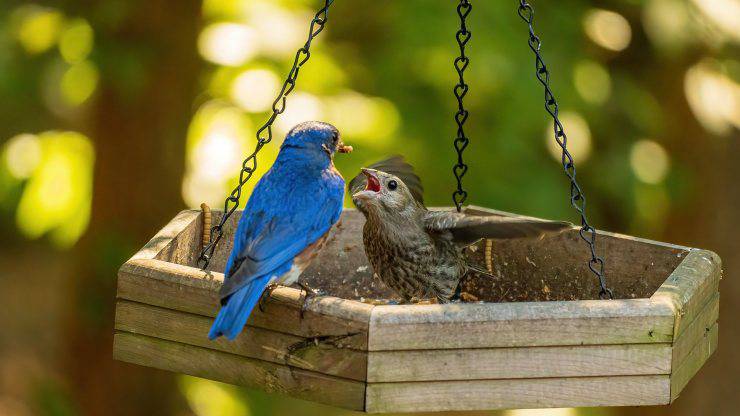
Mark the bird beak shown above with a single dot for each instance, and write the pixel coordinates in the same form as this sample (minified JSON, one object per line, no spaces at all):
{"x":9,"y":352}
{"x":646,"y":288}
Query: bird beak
{"x":372,"y":189}
{"x":340,"y":148}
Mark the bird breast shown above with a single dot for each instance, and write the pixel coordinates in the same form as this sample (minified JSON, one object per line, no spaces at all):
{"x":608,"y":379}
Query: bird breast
{"x":411,"y":261}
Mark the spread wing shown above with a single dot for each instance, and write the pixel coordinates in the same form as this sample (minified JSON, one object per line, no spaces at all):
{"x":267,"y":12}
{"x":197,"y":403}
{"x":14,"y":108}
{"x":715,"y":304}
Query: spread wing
{"x":270,"y":234}
{"x":467,"y":229}
{"x":395,"y":165}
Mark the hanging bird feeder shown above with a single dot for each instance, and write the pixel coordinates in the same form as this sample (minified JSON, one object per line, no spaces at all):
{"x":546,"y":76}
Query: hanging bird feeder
{"x":542,"y":333}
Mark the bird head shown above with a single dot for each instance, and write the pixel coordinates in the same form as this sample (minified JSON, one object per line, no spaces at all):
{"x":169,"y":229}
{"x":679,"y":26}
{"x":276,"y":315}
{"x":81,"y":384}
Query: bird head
{"x":316,"y":139}
{"x":383,"y":193}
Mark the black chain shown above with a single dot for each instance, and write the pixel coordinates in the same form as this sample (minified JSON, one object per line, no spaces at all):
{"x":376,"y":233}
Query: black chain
{"x":577,"y":199}
{"x":461,"y":89}
{"x":278,"y":107}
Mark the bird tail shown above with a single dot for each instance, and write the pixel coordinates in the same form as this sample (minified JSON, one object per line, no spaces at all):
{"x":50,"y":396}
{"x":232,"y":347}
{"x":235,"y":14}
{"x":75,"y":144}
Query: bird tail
{"x":234,"y":314}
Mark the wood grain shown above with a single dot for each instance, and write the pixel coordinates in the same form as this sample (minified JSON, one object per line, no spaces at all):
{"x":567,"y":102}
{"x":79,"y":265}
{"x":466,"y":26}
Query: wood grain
{"x":695,"y":331}
{"x":470,"y":356}
{"x":317,"y":354}
{"x":530,"y":324}
{"x":223,"y":248}
{"x":523,"y":393}
{"x":187,"y":289}
{"x":556,"y":266}
{"x":234,"y":369}
{"x":185,"y":247}
{"x":689,"y":287}
{"x":694,"y":361}
{"x":479,"y":210}
{"x":165,"y":236}
{"x":549,"y":269}
{"x":520,"y":362}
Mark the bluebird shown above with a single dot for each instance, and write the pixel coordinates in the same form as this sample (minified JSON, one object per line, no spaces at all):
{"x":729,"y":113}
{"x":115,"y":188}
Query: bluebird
{"x":420,"y":253}
{"x":284,"y":224}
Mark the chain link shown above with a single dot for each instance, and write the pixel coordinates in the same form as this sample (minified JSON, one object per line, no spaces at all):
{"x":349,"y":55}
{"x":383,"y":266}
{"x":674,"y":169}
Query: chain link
{"x":264,"y":134}
{"x":577,"y":198}
{"x":461,"y":89}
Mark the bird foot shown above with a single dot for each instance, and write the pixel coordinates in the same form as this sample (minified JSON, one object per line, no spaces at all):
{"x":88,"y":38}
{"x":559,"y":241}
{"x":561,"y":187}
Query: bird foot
{"x":309,"y":294}
{"x":266,"y":295}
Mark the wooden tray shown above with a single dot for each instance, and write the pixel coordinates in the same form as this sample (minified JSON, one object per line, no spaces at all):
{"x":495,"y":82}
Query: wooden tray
{"x":541,"y":339}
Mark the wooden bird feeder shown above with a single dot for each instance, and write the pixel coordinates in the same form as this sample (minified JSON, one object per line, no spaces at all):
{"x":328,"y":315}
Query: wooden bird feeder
{"x":537,"y":339}
{"x":533,"y":336}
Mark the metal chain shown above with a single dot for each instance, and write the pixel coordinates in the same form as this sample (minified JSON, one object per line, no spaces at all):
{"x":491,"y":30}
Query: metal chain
{"x":577,"y":198}
{"x":278,"y":107}
{"x":461,"y":89}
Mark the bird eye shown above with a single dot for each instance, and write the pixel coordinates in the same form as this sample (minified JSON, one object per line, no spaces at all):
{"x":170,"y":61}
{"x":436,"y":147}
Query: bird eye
{"x":392,"y":185}
{"x":335,"y":137}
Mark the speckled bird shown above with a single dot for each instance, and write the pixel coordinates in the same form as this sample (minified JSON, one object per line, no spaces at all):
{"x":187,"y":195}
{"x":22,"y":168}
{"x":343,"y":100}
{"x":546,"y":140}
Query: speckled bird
{"x":284,"y":224}
{"x":417,"y":252}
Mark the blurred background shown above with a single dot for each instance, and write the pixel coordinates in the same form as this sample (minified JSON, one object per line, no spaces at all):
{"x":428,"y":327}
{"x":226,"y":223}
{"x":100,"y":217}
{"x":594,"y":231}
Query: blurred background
{"x":116,"y":114}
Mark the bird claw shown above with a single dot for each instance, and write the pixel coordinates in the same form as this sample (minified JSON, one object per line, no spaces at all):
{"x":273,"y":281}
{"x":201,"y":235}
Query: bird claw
{"x":266,"y":295}
{"x":309,"y":294}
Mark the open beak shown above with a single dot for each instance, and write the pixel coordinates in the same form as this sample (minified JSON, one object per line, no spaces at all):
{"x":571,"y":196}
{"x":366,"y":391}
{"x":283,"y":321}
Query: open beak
{"x":372,"y":188}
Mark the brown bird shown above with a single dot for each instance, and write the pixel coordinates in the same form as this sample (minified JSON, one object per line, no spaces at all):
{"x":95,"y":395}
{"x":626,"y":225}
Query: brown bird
{"x":417,"y":252}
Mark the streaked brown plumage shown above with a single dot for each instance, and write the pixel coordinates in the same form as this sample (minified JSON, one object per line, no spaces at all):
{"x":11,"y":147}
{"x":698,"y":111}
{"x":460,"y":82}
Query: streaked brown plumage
{"x":417,"y":252}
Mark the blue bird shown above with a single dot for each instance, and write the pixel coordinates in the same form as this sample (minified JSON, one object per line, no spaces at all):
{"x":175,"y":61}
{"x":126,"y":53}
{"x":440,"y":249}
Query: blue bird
{"x":284,"y":224}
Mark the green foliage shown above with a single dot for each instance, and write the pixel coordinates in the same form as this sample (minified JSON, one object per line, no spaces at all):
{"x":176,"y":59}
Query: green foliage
{"x":382,"y":72}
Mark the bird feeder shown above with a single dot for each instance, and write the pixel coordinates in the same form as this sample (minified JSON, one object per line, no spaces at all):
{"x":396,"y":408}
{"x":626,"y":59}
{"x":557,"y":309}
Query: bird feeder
{"x":540,"y":333}
{"x":535,"y":336}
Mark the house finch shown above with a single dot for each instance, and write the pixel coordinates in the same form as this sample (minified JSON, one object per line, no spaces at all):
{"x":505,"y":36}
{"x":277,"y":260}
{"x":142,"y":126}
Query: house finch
{"x":417,"y":252}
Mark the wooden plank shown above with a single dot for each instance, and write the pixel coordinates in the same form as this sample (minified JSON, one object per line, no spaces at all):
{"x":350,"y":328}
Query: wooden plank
{"x":478,"y":210}
{"x":223,"y":248}
{"x":514,"y":363}
{"x":522,"y":324}
{"x":695,"y":331}
{"x":170,"y":286}
{"x":555,"y":267}
{"x":185,"y":247}
{"x":234,"y":369}
{"x":320,"y":355}
{"x":522,"y":393}
{"x":165,"y":236}
{"x":694,"y":361}
{"x":192,"y":290}
{"x":690,"y":286}
{"x":548,"y":269}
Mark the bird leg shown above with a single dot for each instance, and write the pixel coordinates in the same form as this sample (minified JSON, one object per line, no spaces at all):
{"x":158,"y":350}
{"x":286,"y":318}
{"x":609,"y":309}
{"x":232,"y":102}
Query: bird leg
{"x":458,"y":293}
{"x":265,"y":295}
{"x":309,"y":294}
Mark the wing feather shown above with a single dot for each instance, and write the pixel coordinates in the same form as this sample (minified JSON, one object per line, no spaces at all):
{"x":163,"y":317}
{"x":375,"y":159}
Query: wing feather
{"x":467,"y":229}
{"x":268,"y":239}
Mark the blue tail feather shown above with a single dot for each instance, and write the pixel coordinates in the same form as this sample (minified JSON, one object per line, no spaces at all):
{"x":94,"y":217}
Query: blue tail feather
{"x":233,"y":316}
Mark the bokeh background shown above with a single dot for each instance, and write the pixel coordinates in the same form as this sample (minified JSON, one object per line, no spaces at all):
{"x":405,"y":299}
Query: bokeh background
{"x":116,"y":114}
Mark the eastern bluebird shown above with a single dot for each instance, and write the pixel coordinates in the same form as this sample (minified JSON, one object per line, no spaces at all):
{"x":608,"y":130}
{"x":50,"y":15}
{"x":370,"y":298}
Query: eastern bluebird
{"x":419,"y":253}
{"x":284,"y":224}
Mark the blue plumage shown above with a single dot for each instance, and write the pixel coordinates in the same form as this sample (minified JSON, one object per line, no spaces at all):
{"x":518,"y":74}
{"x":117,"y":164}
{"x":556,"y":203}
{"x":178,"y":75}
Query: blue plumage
{"x":293,"y":206}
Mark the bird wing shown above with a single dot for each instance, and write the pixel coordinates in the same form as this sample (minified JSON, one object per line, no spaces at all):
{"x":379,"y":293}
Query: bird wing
{"x":271,"y":234}
{"x":395,"y":165}
{"x":467,"y":229}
